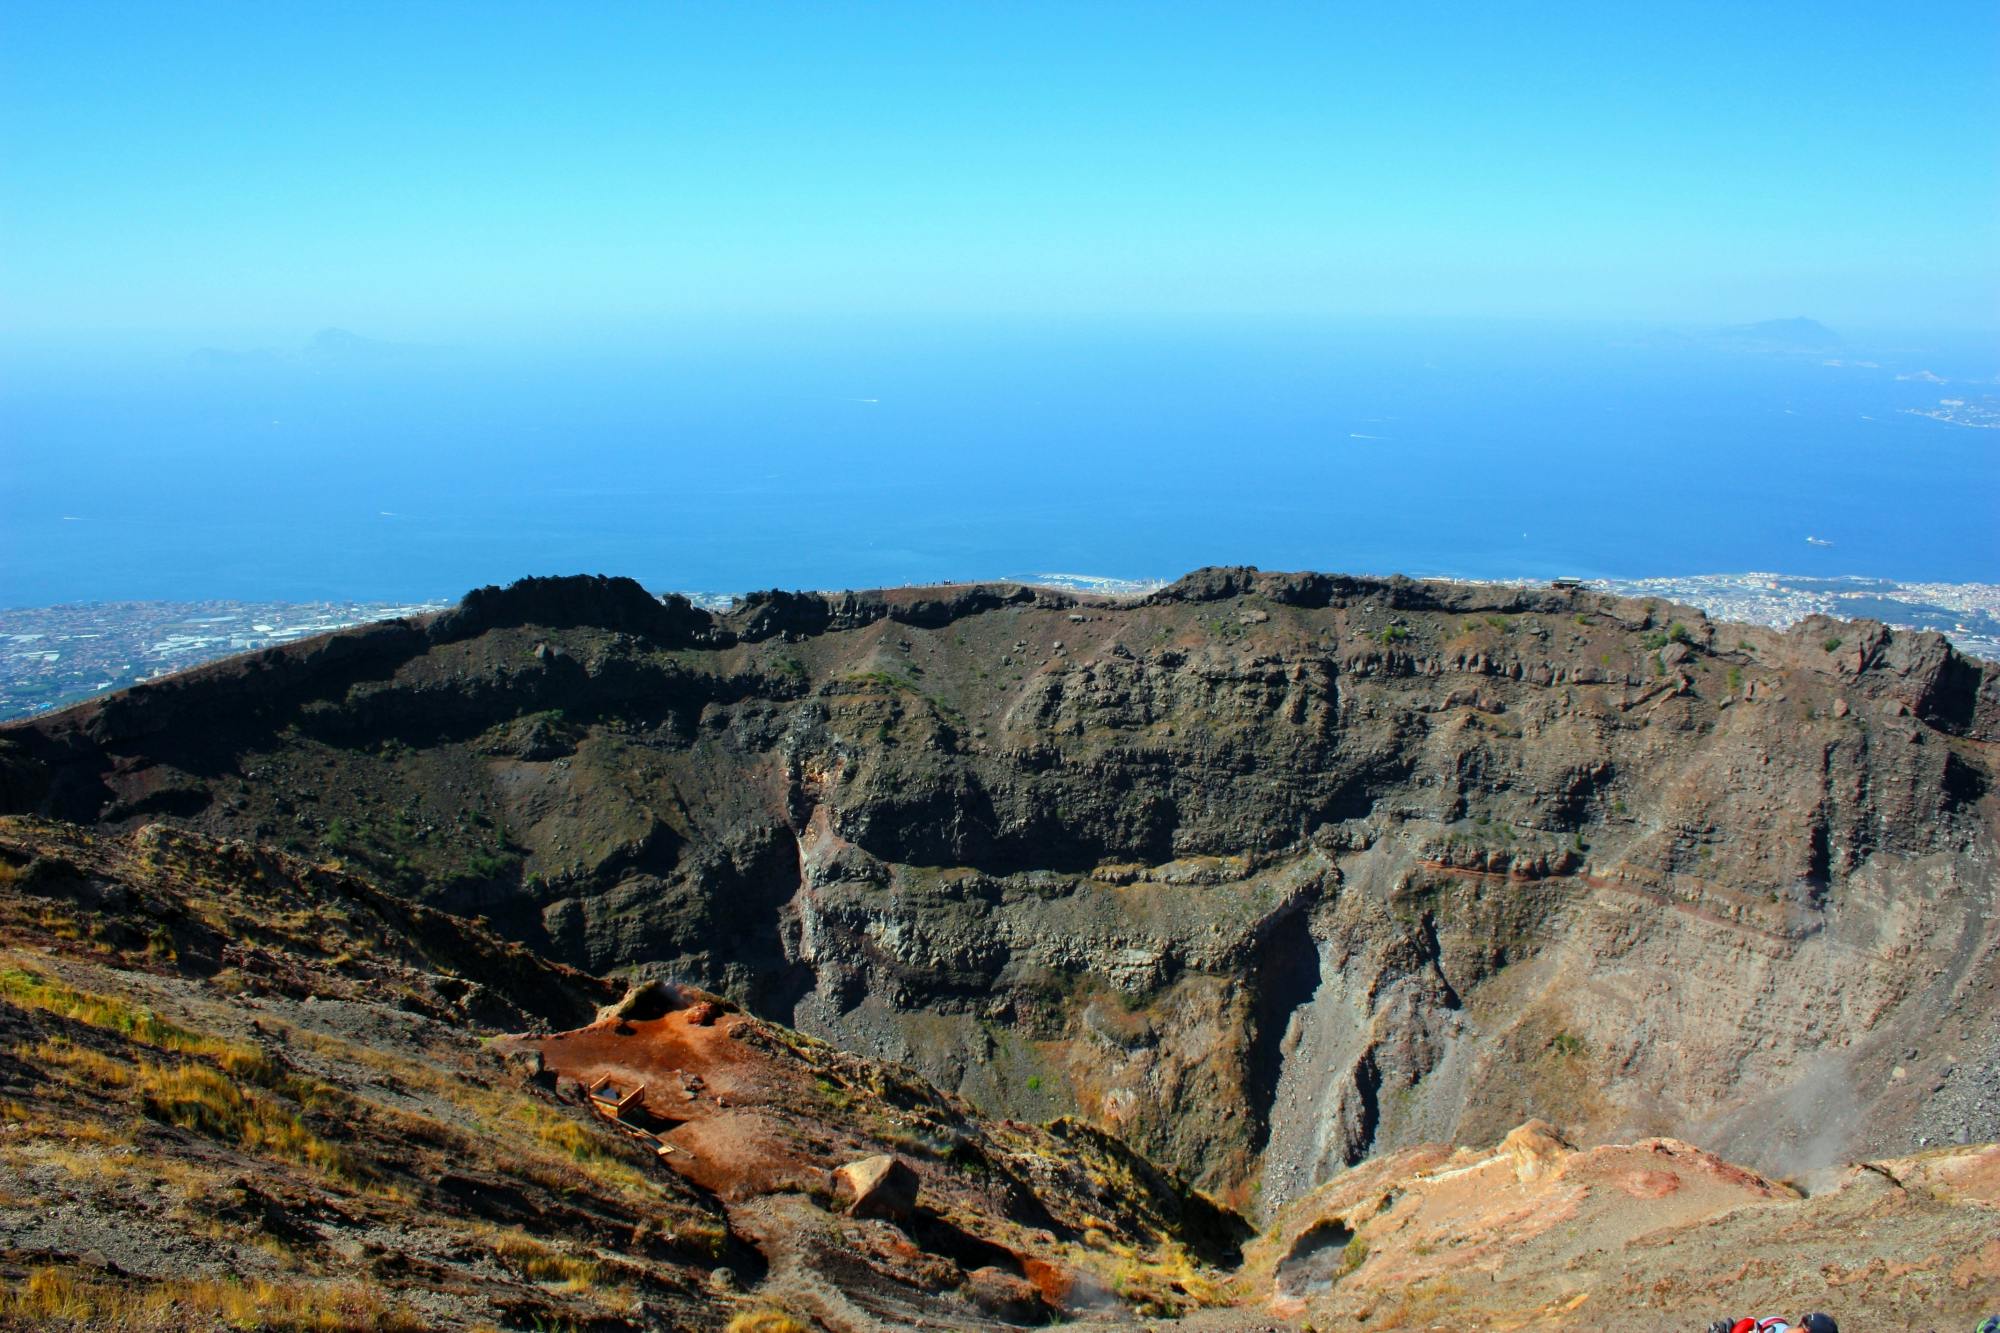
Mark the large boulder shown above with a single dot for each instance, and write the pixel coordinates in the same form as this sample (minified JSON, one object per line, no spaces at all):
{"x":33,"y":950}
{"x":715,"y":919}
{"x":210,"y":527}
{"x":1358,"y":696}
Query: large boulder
{"x":643,"y":1001}
{"x":880,"y":1186}
{"x":1005,"y":1296}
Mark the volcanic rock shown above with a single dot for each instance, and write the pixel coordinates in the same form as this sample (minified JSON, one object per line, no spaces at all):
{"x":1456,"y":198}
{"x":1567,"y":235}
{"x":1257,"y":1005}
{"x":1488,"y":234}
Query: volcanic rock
{"x":1270,"y":872}
{"x":879,"y":1186}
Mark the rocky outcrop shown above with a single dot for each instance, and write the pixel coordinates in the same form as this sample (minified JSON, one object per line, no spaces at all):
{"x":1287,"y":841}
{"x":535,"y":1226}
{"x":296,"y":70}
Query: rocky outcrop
{"x":1534,"y":1232}
{"x":879,"y":1186}
{"x":1267,"y":873}
{"x":218,"y":1058}
{"x":777,"y":613}
{"x":593,"y":601}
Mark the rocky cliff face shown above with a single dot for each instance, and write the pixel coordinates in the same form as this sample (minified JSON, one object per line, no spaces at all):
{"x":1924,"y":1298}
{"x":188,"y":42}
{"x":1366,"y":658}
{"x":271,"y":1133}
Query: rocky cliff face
{"x":1266,"y":873}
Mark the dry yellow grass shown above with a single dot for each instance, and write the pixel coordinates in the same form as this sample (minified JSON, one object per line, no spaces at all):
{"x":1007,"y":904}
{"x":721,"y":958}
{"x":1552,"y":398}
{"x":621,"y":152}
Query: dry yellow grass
{"x":577,"y":1274}
{"x":1422,"y":1303}
{"x":199,"y":1098}
{"x":196,"y":1097}
{"x":542,"y":1142}
{"x":79,"y":1063}
{"x":1164,"y":1282}
{"x":88,"y":1149}
{"x":241,"y":1096}
{"x":767,"y":1321}
{"x":53,"y":1297}
{"x":540,"y":1263}
{"x":35,"y":990}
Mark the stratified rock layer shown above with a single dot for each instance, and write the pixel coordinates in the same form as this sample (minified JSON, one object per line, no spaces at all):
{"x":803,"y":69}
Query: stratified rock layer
{"x":1265,"y":872}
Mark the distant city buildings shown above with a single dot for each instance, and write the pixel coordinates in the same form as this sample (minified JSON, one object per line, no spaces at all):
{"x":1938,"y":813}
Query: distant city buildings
{"x":1980,"y":413}
{"x":57,"y":655}
{"x":1966,"y":613}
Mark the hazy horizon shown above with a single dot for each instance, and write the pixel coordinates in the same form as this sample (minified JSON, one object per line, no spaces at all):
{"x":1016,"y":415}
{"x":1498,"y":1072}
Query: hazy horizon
{"x":728,"y":297}
{"x":898,"y":452}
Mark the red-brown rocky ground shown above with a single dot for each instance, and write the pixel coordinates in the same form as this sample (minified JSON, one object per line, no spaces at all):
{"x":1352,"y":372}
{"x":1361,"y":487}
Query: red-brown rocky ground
{"x":244,"y":1090}
{"x":1656,"y":1234}
{"x":240,"y":1090}
{"x":1026,"y":1222}
{"x":1267,"y":875}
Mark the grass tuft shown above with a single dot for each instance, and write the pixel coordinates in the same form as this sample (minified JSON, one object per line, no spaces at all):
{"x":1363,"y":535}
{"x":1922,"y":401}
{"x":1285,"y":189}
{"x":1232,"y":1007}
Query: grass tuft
{"x":56,"y":1297}
{"x":198,"y":1098}
{"x":766,"y":1321}
{"x":134,"y":1022}
{"x":541,"y":1263}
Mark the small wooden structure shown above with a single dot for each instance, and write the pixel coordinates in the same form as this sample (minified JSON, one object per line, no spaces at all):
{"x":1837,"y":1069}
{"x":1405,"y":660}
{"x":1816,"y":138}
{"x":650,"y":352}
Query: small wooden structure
{"x":616,"y":1099}
{"x":613,"y":1097}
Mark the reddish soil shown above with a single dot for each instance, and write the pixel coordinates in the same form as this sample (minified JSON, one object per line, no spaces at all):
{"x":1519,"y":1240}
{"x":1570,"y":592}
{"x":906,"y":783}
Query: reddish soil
{"x":710,"y":1095}
{"x":1534,"y":1233}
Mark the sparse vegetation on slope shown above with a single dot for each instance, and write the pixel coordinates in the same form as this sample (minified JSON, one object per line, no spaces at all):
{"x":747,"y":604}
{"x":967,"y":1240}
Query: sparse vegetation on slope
{"x":1263,"y":875}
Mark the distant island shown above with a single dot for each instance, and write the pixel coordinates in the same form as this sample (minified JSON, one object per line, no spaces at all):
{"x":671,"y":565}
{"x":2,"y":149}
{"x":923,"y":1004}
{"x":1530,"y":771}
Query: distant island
{"x":1797,"y":334}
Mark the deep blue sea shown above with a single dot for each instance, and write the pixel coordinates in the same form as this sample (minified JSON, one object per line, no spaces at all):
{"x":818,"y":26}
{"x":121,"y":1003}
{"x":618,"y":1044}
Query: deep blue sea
{"x":821,"y":455}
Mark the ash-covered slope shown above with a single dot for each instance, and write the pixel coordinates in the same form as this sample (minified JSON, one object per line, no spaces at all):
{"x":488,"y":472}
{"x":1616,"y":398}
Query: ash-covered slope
{"x":238,"y":1089}
{"x":1533,"y":1233}
{"x":1265,"y":872}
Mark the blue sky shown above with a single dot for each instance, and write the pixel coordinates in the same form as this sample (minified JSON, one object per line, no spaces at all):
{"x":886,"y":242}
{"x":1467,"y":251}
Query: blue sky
{"x":446,"y":170}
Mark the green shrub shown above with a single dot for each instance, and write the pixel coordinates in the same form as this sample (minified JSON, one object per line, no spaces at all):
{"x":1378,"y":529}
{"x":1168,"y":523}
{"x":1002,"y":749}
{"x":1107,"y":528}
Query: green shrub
{"x":488,"y":865}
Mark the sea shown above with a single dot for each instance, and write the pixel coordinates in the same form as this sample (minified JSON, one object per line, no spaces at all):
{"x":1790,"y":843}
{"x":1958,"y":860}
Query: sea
{"x":826,"y":454}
